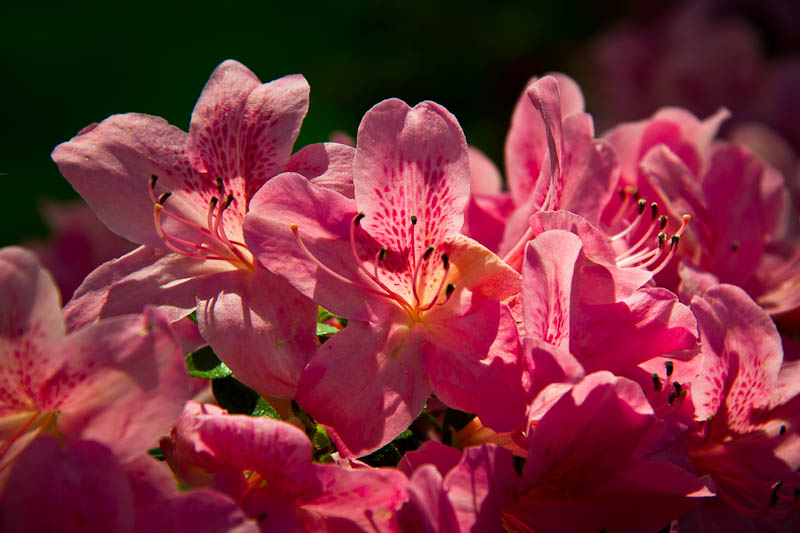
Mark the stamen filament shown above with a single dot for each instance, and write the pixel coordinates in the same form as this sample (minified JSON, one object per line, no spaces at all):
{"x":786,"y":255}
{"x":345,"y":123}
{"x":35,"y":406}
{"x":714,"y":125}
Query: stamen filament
{"x":635,"y":224}
{"x":165,"y":238}
{"x":425,"y":257}
{"x":514,"y":257}
{"x":673,"y":245}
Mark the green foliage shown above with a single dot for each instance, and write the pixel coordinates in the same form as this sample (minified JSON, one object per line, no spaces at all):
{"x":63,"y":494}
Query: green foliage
{"x":205,"y":364}
{"x":263,"y":408}
{"x":391,"y":454}
{"x":156,"y":454}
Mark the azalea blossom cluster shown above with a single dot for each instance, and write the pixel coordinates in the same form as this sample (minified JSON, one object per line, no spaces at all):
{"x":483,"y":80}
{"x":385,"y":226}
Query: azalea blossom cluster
{"x":376,"y":336}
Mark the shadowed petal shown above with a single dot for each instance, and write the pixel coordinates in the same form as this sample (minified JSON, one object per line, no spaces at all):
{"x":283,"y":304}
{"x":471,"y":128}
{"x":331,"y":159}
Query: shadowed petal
{"x":260,"y":326}
{"x":379,"y":363}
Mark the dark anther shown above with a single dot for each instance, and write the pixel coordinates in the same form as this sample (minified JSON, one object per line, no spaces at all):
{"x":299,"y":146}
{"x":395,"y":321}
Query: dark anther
{"x":220,"y":186}
{"x":670,"y":367}
{"x":414,"y":219}
{"x":621,"y":192}
{"x":662,"y":238}
{"x":428,"y":252}
{"x":445,"y":261}
{"x":672,"y":396}
{"x":675,"y":239}
{"x":635,"y":192}
{"x":163,"y":197}
{"x":153,"y":180}
{"x":735,"y":245}
{"x":677,"y":386}
{"x":662,"y":220}
{"x":656,"y":382}
{"x":358,"y":218}
{"x":213,"y":202}
{"x":382,"y":253}
{"x":654,"y":210}
{"x":642,"y":205}
{"x":228,"y":201}
{"x":449,"y":289}
{"x":783,"y":429}
{"x":773,"y":498}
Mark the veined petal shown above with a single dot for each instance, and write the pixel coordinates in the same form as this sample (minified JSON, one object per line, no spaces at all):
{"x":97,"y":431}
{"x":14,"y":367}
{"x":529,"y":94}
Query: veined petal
{"x":111,"y":164}
{"x":365,"y":382}
{"x":742,"y":359}
{"x":214,"y":134}
{"x":323,"y":219}
{"x":260,"y":326}
{"x":411,"y":162}
{"x":123,"y":383}
{"x":30,"y":321}
{"x":552,"y":264}
{"x":145,"y":276}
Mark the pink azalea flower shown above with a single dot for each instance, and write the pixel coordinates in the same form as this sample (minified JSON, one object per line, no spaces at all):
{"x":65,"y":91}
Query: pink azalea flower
{"x":588,"y":314}
{"x":553,"y":161}
{"x":457,"y":491}
{"x":265,"y":466}
{"x":121,"y":382}
{"x":592,"y":465}
{"x":184,"y":197}
{"x":746,"y":401}
{"x":83,"y":488}
{"x":424,"y":304}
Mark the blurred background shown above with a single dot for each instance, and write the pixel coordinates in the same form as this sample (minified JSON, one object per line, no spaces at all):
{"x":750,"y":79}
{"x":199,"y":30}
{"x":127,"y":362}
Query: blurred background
{"x":68,"y":65}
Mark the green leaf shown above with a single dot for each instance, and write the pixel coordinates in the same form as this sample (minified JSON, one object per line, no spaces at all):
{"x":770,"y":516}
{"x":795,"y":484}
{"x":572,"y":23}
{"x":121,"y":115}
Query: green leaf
{"x":192,"y":316}
{"x":263,"y":408}
{"x":391,"y":454}
{"x":156,"y":454}
{"x":325,"y":329}
{"x":323,"y":314}
{"x":236,"y":397}
{"x":205,"y":364}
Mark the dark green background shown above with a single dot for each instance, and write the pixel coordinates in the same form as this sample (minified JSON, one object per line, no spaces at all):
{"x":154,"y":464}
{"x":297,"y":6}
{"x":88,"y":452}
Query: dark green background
{"x":68,"y":65}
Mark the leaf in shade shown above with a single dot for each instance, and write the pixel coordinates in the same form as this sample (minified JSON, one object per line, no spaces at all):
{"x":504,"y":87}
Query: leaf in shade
{"x":234,"y":396}
{"x":391,"y":454}
{"x":156,"y":453}
{"x":263,"y":408}
{"x":325,"y":330}
{"x":205,"y":364}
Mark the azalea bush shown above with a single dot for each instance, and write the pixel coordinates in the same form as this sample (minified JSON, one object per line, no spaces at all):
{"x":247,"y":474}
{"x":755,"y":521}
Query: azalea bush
{"x":377,"y":334}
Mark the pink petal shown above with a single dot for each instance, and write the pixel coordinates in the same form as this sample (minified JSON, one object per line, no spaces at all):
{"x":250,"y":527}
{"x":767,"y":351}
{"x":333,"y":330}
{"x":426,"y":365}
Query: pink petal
{"x":362,"y":499}
{"x":207,"y":438}
{"x":328,"y":165}
{"x":81,"y":488}
{"x":30,"y":321}
{"x":551,"y":262}
{"x":546,"y":99}
{"x":595,"y":243}
{"x":484,"y":178}
{"x":260,"y":326}
{"x":694,"y":281}
{"x":123,"y":383}
{"x":270,"y":123}
{"x":485,"y":218}
{"x":145,"y":276}
{"x":652,"y":322}
{"x":196,"y":511}
{"x":411,"y":162}
{"x":482,"y":483}
{"x":214,"y":134}
{"x":742,"y":358}
{"x":323,"y":218}
{"x":443,"y":457}
{"x":526,"y":145}
{"x":473,"y":361}
{"x":366,"y":383}
{"x":428,"y":503}
{"x":111,"y":164}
